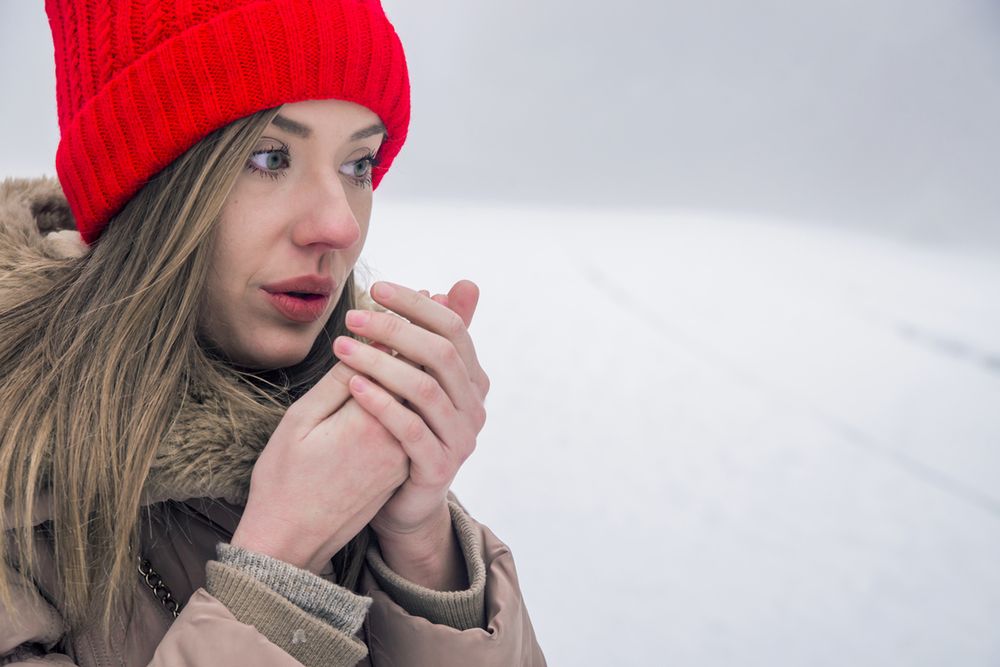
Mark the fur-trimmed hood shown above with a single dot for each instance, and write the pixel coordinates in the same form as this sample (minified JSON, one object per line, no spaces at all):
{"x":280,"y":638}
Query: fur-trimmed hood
{"x":205,"y":453}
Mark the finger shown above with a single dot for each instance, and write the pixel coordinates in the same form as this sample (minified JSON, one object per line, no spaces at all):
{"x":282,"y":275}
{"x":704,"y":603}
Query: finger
{"x":324,"y":398}
{"x":421,"y":390}
{"x":388,"y":350}
{"x":463,"y":298}
{"x":431,"y":462}
{"x":434,"y":317}
{"x":436,"y":354}
{"x":441,"y":298}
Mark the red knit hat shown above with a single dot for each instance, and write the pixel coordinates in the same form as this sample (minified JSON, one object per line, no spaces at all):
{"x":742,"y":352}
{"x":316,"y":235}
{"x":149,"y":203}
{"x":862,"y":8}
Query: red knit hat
{"x":138,"y":82}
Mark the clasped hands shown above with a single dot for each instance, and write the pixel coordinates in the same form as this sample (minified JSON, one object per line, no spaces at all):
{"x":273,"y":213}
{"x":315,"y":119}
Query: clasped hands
{"x":378,"y":440}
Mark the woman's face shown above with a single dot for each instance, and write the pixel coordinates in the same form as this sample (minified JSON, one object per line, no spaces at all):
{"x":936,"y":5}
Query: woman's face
{"x":290,"y":232}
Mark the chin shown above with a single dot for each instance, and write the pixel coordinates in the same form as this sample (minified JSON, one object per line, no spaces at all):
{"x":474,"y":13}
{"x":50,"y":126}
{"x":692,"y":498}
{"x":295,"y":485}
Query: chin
{"x":282,"y":358}
{"x":278,"y":351}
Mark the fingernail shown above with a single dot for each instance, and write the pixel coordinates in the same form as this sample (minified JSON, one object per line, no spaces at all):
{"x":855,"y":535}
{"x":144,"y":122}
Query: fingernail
{"x":359,"y":384}
{"x":344,"y":345}
{"x":383,"y":290}
{"x":357,"y":318}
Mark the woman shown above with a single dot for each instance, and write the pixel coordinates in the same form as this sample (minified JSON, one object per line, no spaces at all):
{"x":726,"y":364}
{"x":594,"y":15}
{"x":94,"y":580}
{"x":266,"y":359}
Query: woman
{"x":195,"y":389}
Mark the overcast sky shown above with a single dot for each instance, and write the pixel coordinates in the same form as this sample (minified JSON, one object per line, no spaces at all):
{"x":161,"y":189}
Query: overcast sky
{"x":871,"y":113}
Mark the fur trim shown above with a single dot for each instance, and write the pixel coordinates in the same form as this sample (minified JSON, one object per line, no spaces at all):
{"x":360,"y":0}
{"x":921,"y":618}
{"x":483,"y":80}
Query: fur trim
{"x":204,"y":454}
{"x":36,"y":225}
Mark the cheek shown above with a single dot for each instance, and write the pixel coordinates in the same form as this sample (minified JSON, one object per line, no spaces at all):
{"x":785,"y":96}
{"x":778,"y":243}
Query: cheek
{"x":218,"y":284}
{"x":362,"y":211}
{"x":220,"y":302}
{"x":214,"y":314}
{"x":360,"y":202}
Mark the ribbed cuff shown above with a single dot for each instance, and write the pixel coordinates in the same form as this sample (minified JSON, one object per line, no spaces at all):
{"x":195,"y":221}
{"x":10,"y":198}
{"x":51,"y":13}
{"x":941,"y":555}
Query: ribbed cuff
{"x":461,"y":610}
{"x":306,"y":638}
{"x":334,"y":604}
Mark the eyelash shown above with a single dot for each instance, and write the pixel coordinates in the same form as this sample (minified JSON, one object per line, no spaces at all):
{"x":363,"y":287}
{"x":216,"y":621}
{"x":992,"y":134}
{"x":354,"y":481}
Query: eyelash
{"x":365,"y":182}
{"x":373,"y":161}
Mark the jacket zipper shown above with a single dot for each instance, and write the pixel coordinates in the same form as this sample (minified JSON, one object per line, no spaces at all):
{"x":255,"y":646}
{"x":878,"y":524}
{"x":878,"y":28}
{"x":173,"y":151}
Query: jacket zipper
{"x":100,"y":652}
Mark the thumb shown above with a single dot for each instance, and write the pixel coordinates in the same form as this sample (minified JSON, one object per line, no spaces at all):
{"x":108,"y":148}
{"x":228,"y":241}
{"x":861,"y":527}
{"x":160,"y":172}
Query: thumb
{"x":325,"y":397}
{"x":463,"y":299}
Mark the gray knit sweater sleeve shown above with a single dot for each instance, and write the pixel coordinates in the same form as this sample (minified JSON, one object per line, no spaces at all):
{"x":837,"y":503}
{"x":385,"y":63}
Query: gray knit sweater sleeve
{"x":327,"y":601}
{"x":316,"y":620}
{"x":311,"y":619}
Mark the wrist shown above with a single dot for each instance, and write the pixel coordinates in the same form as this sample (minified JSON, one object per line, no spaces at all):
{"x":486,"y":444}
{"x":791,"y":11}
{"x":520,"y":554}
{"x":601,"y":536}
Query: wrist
{"x":429,"y":556}
{"x":294,"y":552}
{"x":416,"y":543}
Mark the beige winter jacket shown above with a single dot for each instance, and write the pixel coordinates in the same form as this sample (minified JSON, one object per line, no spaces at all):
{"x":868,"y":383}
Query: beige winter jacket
{"x":238,"y":607}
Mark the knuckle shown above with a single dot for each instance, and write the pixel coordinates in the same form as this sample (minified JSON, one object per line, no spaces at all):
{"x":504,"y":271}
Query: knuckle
{"x":413,"y":298}
{"x":466,"y":452}
{"x":484,"y":382}
{"x":413,"y":429}
{"x":453,"y":325}
{"x":369,"y":358}
{"x":341,"y":372}
{"x":447,"y":353}
{"x":391,"y":324}
{"x":383,"y":401}
{"x":439,"y":472}
{"x":467,"y":446}
{"x":479,"y":416}
{"x":427,"y":389}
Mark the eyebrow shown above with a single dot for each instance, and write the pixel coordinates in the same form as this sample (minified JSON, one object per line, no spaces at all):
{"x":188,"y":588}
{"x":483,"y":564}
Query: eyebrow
{"x":292,"y":127}
{"x":377,"y":128}
{"x":304,"y":131}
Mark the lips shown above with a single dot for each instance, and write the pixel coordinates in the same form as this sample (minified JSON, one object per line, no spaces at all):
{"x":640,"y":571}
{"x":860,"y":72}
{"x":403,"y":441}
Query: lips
{"x":300,"y":299}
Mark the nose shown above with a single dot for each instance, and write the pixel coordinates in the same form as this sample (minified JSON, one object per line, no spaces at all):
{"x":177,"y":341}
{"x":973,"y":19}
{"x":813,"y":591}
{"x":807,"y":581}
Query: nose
{"x":325,"y":220}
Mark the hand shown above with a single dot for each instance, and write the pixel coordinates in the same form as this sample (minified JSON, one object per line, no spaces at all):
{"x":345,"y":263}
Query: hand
{"x":327,"y":469}
{"x":444,"y":412}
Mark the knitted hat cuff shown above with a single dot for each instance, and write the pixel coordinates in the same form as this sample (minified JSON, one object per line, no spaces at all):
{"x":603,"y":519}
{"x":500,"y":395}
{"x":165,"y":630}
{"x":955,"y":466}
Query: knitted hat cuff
{"x":240,"y":61}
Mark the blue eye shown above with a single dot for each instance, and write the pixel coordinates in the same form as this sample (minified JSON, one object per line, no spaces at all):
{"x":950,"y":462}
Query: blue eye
{"x":360,"y":170}
{"x":269,"y":162}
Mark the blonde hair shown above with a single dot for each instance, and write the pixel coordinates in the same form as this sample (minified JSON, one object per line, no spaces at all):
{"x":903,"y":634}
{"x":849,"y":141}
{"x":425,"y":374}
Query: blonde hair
{"x":93,"y":371}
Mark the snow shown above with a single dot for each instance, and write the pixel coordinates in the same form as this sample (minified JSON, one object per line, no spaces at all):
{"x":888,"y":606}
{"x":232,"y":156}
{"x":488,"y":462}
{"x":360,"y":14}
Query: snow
{"x":717,"y":441}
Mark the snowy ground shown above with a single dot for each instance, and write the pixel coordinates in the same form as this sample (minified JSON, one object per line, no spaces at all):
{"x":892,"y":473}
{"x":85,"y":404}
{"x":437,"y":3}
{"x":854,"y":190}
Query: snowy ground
{"x":724,"y":442}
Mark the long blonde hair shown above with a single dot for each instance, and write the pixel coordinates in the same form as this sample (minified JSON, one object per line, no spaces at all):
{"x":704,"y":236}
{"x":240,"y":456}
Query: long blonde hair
{"x":93,"y":371}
